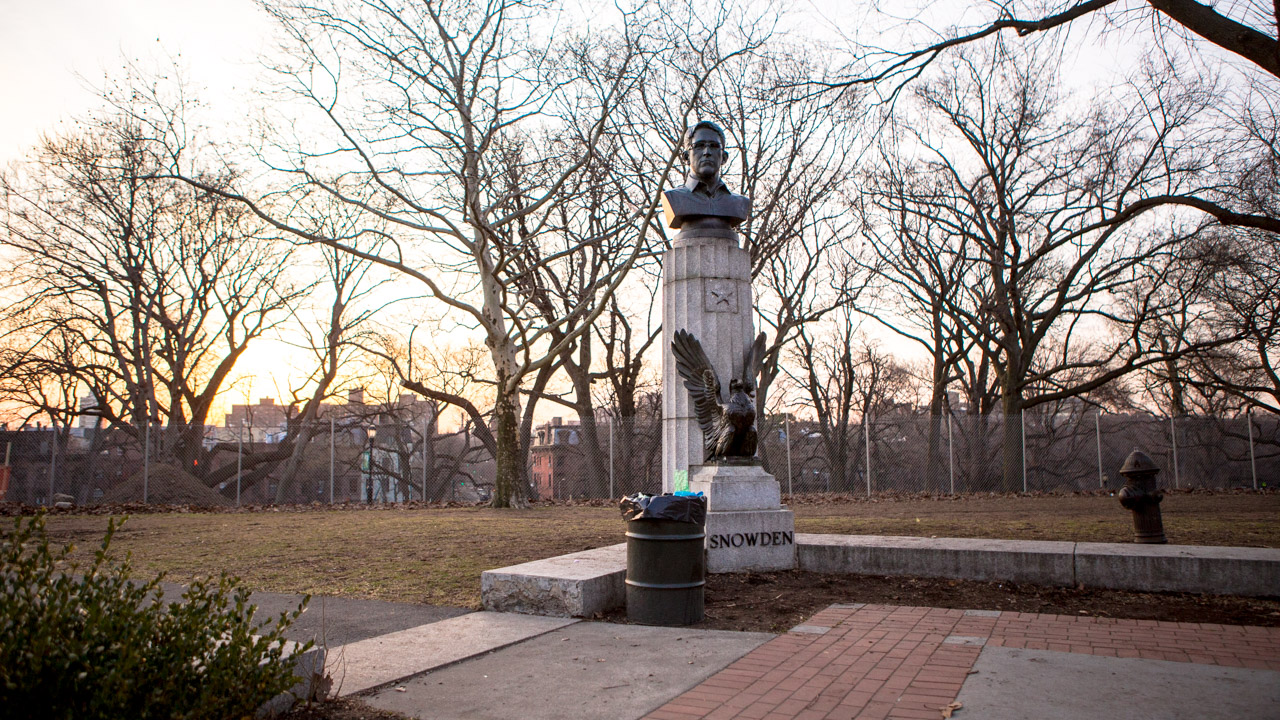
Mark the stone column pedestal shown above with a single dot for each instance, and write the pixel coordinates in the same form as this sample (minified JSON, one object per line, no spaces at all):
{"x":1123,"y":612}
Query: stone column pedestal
{"x":706,"y":290}
{"x":747,"y":527}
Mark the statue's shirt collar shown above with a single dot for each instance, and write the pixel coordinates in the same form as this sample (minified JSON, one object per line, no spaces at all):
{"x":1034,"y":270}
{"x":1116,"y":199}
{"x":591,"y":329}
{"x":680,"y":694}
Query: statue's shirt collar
{"x":696,"y":186}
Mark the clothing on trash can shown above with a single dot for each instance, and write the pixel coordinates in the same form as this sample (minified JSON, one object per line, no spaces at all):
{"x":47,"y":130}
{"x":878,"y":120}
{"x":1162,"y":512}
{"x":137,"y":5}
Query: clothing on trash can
{"x":689,"y":507}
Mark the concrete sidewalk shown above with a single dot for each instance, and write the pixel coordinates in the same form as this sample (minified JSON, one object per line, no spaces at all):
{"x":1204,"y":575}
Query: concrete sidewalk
{"x":874,"y":662}
{"x":441,"y":662}
{"x":848,"y":661}
{"x":586,"y":670}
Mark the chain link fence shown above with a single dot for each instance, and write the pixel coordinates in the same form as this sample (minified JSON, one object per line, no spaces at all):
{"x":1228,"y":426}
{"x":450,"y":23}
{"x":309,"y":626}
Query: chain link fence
{"x":337,"y":462}
{"x":329,"y":462}
{"x":601,"y":459}
{"x":954,"y":454}
{"x":961,"y":454}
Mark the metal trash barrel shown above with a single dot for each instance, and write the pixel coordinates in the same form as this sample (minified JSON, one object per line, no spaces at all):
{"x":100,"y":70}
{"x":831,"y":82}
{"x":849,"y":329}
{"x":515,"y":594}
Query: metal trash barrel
{"x":666,"y":572}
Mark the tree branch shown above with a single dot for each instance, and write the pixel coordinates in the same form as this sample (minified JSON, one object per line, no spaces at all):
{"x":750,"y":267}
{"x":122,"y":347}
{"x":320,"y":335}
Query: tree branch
{"x":1250,"y":44}
{"x":482,"y":427}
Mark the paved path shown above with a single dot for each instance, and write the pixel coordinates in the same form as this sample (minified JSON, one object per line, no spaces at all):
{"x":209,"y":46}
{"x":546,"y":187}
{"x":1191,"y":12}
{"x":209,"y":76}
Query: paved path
{"x":878,"y":661}
{"x":847,"y":661}
{"x":583,"y":671}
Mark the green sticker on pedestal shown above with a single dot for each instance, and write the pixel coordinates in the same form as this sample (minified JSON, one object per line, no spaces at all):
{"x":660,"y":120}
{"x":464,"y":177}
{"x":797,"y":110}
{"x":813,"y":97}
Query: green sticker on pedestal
{"x":681,"y":481}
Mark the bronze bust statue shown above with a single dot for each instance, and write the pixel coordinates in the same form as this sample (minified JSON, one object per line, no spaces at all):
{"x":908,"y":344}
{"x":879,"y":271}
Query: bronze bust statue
{"x":704,"y":203}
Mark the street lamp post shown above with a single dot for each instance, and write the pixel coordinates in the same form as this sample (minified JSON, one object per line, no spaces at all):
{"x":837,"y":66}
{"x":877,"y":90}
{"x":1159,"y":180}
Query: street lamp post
{"x":371,"y":432}
{"x":146,"y":460}
{"x":239,"y":459}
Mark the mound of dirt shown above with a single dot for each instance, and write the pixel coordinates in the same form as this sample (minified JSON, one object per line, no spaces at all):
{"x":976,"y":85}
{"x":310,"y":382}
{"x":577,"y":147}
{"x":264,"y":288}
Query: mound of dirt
{"x":166,"y":485}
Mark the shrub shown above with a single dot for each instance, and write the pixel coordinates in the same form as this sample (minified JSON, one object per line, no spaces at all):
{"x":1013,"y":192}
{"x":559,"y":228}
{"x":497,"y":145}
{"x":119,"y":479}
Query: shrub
{"x":94,"y":643}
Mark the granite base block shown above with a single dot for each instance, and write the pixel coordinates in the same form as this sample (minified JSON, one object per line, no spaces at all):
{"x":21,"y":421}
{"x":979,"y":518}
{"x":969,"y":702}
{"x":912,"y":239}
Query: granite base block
{"x":312,"y":683}
{"x":731,"y":488}
{"x":751,"y":540}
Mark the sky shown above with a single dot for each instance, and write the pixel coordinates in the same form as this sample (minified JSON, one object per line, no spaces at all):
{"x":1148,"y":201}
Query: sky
{"x":55,"y":54}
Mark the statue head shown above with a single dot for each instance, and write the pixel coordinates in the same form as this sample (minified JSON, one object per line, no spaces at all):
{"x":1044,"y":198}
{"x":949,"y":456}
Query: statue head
{"x":705,"y":153}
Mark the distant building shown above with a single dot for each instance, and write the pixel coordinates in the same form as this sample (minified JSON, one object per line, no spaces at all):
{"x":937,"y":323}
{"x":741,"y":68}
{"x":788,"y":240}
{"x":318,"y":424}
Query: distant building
{"x":266,"y":421}
{"x":556,"y":459}
{"x":958,"y":404}
{"x":88,"y":418}
{"x":391,"y":432}
{"x":396,"y":472}
{"x":258,"y":422}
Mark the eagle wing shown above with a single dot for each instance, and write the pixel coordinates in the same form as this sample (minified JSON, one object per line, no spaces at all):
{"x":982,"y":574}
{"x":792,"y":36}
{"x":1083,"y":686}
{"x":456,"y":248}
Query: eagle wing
{"x":701,"y":382}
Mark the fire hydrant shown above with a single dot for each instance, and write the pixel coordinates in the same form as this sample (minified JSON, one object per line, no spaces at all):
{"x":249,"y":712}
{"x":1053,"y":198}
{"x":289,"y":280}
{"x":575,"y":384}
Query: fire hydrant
{"x":1141,"y":496}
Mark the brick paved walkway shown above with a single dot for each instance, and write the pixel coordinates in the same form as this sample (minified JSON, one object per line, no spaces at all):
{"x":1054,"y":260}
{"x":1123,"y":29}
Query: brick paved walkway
{"x":882,"y":661}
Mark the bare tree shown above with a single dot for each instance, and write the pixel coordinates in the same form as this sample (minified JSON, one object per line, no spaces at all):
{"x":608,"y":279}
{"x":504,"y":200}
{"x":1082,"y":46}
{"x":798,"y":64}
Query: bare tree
{"x":1246,"y":30}
{"x":1236,"y":268}
{"x":558,"y":287}
{"x":161,"y":285}
{"x":34,"y":382}
{"x":36,"y":388}
{"x":431,"y":106}
{"x":333,"y":340}
{"x":796,"y":152}
{"x":1243,"y":290}
{"x":921,"y":282}
{"x":1050,"y":213}
{"x":848,"y":381}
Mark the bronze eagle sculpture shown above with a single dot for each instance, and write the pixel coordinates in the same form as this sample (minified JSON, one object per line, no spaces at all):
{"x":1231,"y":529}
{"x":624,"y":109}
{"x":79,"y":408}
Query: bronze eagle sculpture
{"x":728,"y":428}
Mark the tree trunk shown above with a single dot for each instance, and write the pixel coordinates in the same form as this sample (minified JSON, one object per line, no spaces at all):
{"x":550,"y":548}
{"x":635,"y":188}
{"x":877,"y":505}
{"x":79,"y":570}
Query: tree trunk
{"x":1011,"y":475}
{"x":1173,"y":379}
{"x":933,"y":464}
{"x":933,"y":461}
{"x":506,"y":421}
{"x":509,"y":483}
{"x":184,"y":438}
{"x":288,"y":483}
{"x":595,"y":458}
{"x":838,"y":461}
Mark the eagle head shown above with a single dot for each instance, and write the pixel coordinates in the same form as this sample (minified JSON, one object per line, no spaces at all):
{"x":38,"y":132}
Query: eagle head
{"x":740,"y":410}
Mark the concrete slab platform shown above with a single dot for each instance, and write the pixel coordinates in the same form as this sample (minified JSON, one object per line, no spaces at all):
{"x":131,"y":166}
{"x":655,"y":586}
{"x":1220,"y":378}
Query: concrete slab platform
{"x":585,"y":583}
{"x":1022,"y":561}
{"x":1179,"y":568}
{"x":1015,"y":684}
{"x":579,"y":584}
{"x":367,"y":664}
{"x":586,"y":671}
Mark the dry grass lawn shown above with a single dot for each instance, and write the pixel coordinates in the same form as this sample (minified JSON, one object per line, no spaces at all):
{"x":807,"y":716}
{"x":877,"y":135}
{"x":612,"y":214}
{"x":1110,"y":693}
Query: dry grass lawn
{"x":1246,"y":519}
{"x":436,"y":556}
{"x":418,"y":556}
